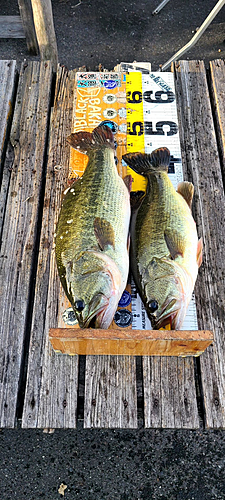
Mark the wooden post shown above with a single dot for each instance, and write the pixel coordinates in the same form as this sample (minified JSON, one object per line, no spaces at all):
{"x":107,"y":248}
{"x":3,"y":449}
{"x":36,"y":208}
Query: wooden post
{"x":44,"y":26}
{"x":26,"y":15}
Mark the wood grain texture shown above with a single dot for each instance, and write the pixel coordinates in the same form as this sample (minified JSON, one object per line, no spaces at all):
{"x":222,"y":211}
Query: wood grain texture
{"x":26,"y":15}
{"x":7,"y":93}
{"x":217,"y":88}
{"x":202,"y":166}
{"x":51,"y":390}
{"x":169,"y":393}
{"x":28,"y":137}
{"x":110,"y":392}
{"x":129,"y":342}
{"x":7,"y":88}
{"x":45,"y":32}
{"x":11,"y":27}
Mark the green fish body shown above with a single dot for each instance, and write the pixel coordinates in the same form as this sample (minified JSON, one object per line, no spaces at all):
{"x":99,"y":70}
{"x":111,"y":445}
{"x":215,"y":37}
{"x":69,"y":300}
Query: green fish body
{"x":165,"y":251}
{"x":92,"y":233}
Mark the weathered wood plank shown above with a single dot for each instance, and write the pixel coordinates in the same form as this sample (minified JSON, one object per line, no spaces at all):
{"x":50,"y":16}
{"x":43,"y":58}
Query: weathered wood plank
{"x":6,"y":174}
{"x":169,"y":393}
{"x":7,"y":89}
{"x":217,"y":74}
{"x":45,"y":32}
{"x":28,"y":137}
{"x":110,"y":392}
{"x":202,"y":167}
{"x":51,"y":390}
{"x":26,"y":15}
{"x":7,"y":93}
{"x":11,"y":27}
{"x":130,"y":342}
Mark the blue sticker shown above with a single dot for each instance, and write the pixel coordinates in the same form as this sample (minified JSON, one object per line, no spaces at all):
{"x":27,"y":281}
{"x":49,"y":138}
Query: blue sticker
{"x":125,"y":299}
{"x":112,"y":125}
{"x":110,"y":84}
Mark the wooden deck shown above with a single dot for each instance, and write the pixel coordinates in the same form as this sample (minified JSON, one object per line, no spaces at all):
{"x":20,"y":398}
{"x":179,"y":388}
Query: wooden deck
{"x":39,"y":387}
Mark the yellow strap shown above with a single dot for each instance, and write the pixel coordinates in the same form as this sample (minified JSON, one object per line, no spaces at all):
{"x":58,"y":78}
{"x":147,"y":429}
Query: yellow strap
{"x":135,"y":124}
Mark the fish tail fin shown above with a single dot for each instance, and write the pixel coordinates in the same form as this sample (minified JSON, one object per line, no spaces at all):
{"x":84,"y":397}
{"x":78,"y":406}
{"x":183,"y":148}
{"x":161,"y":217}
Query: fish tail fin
{"x":87,"y":141}
{"x":143,"y":163}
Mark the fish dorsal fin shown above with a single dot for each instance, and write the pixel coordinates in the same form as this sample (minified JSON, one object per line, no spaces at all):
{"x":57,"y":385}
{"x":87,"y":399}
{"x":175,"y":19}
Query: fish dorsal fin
{"x":102,"y":135}
{"x":199,"y":252}
{"x":143,"y":164}
{"x":160,"y":159}
{"x":104,"y":233}
{"x":174,"y":243}
{"x":128,"y":182}
{"x":86,"y":141}
{"x":139,"y":162}
{"x":186,"y":189}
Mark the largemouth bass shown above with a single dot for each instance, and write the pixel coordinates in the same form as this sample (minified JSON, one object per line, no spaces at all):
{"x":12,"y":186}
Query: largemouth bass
{"x":165,"y":251}
{"x":92,"y":232}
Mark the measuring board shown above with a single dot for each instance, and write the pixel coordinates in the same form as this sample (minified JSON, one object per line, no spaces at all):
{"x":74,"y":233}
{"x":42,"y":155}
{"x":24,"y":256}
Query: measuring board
{"x":140,"y":108}
{"x":152,"y":119}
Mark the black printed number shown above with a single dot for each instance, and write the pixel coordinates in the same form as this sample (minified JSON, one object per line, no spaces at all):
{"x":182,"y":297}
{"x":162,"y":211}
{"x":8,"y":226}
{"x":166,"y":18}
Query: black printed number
{"x":136,"y":128}
{"x":159,"y":128}
{"x":168,"y":96}
{"x":161,"y":96}
{"x":134,"y":97}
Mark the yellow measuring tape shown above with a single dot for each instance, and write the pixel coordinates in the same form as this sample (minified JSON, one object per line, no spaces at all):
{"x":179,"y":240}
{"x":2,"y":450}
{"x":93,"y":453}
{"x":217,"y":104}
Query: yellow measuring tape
{"x":135,"y":124}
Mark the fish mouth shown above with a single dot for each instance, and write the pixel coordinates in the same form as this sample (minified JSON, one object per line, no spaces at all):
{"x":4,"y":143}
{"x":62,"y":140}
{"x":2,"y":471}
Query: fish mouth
{"x":167,"y":316}
{"x":96,"y":307}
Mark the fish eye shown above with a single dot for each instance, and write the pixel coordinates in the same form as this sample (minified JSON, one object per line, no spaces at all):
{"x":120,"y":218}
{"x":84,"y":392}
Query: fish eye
{"x":153,"y":306}
{"x":79,"y":305}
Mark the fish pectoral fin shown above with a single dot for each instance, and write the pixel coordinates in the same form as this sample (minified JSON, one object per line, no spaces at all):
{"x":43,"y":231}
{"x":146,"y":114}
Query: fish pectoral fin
{"x":199,"y":252}
{"x":104,"y":233}
{"x":128,"y":182}
{"x":186,"y":189}
{"x":67,"y":281}
{"x":174,"y":244}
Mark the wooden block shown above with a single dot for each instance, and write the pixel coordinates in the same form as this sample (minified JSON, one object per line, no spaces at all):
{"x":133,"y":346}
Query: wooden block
{"x":45,"y":31}
{"x":11,"y":27}
{"x":132,"y":343}
{"x":26,"y":15}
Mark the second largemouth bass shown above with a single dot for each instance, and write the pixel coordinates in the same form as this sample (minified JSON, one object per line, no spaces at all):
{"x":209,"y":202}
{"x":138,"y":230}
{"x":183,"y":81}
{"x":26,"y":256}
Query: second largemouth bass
{"x":165,"y":251}
{"x":92,"y":232}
